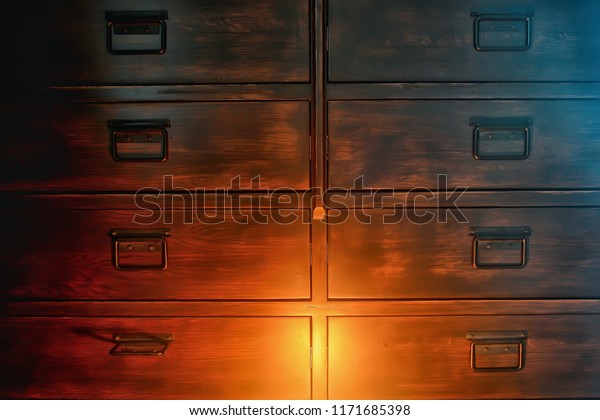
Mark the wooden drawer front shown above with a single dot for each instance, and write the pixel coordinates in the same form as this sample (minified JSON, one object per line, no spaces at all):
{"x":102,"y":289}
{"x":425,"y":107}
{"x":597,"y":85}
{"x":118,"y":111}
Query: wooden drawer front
{"x":429,"y":358}
{"x":69,"y":254}
{"x":106,"y":147}
{"x":213,"y":41}
{"x":435,"y":40}
{"x":419,"y":257}
{"x":210,"y":358}
{"x":478,"y":144}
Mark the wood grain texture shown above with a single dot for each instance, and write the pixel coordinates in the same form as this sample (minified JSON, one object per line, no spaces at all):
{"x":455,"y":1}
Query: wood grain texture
{"x":210,"y":358}
{"x":296,"y":200}
{"x":67,"y":254}
{"x":303,"y":91}
{"x":433,"y":40}
{"x":406,"y":144}
{"x":214,"y":41}
{"x":63,"y":148}
{"x":531,"y":90}
{"x":385,"y":307}
{"x":257,"y":200}
{"x":492,"y":198}
{"x":182,"y":93}
{"x":418,"y":258}
{"x":429,"y":358}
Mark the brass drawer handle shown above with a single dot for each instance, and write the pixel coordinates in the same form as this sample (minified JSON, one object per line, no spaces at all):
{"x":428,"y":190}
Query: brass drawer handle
{"x":501,"y":138}
{"x":137,"y":32}
{"x":500,"y":247}
{"x":501,"y":29}
{"x":138,"y":344}
{"x":140,"y":249}
{"x":497,"y":351}
{"x":139,"y":140}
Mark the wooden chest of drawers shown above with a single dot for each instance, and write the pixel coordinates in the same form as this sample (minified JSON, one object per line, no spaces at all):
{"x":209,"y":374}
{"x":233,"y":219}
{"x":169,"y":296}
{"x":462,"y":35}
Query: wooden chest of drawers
{"x":461,"y":141}
{"x":145,"y":145}
{"x":301,"y":199}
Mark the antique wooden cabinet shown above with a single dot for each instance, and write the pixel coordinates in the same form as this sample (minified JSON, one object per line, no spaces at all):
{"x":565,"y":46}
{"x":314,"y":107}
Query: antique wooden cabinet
{"x":295,"y":199}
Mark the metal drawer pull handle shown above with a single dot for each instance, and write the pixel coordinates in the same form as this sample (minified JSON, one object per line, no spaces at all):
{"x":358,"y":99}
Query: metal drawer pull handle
{"x":139,"y":140}
{"x":501,"y":138}
{"x":139,"y":32}
{"x":500,"y":247}
{"x":127,"y":344}
{"x":500,"y":29}
{"x":497,"y":351}
{"x":140,"y":249}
